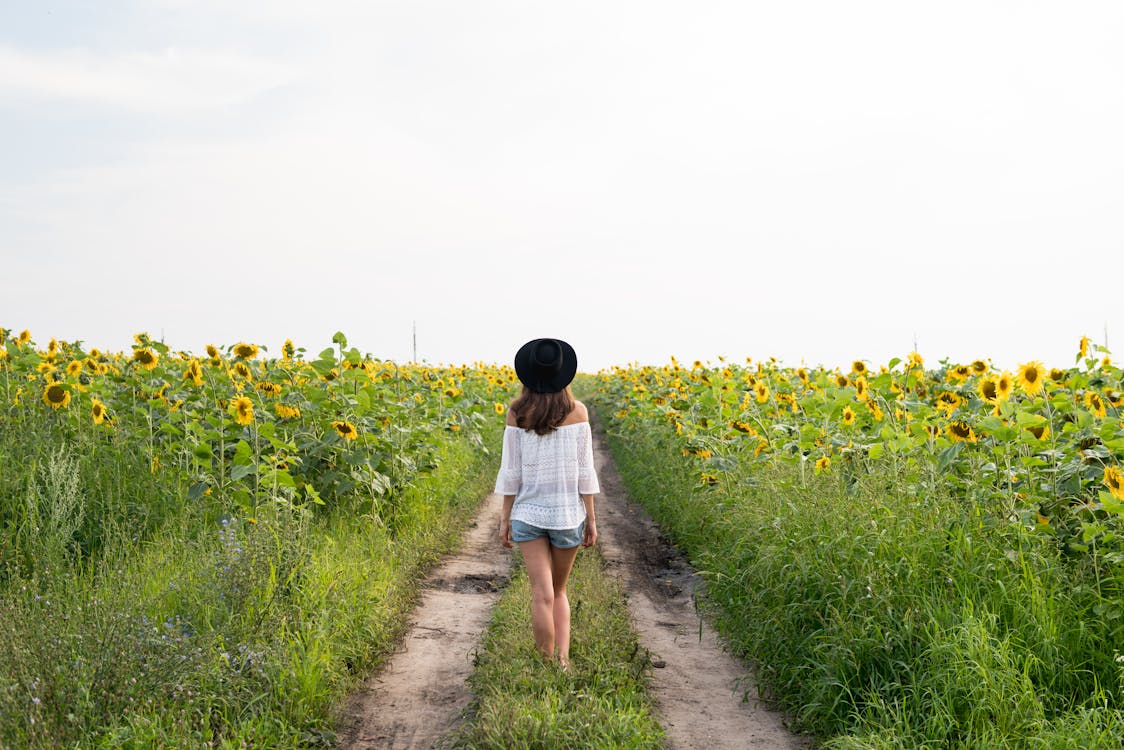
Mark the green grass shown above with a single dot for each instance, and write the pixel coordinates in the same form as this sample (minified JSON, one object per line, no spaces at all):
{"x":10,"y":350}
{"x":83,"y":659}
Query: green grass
{"x":884,"y":620}
{"x":521,"y":701}
{"x":191,"y":626}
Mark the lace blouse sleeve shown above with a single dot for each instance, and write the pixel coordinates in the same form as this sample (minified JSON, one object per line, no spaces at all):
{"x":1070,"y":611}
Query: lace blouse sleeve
{"x":510,"y":476}
{"x":587,"y":473}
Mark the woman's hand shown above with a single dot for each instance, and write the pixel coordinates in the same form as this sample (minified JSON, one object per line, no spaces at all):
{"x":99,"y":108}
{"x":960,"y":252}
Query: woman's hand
{"x":589,"y":536}
{"x":505,"y":532}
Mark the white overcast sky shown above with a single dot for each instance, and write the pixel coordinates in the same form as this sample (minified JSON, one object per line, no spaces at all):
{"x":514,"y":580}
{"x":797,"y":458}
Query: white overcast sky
{"x":816,"y":181}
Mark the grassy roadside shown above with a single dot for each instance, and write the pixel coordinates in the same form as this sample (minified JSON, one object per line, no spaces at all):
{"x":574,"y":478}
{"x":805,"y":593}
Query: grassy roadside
{"x":228,"y":631}
{"x":522,"y":702}
{"x":888,"y":621}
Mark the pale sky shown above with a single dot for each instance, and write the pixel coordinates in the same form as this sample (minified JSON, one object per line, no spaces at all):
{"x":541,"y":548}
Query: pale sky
{"x":814,"y":181}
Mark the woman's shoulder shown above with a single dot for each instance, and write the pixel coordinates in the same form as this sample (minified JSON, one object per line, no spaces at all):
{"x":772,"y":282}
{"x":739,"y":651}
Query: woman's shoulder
{"x":577,"y":415}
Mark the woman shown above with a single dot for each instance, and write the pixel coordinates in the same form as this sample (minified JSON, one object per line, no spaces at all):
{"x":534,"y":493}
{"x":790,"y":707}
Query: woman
{"x":548,"y":481}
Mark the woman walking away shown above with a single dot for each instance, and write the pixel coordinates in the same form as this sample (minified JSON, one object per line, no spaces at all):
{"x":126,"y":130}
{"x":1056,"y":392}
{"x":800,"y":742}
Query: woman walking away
{"x":548,"y":481}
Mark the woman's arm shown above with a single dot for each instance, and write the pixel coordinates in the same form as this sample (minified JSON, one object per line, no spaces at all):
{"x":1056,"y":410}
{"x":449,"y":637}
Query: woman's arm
{"x":589,"y":537}
{"x":505,"y":520}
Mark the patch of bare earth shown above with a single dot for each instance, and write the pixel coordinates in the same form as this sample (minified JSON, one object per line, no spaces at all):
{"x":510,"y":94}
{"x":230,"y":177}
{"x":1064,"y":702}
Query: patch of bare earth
{"x":420,"y":694}
{"x":704,"y":695}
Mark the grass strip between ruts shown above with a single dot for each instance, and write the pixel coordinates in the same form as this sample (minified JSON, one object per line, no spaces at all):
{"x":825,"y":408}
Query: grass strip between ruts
{"x":521,"y":701}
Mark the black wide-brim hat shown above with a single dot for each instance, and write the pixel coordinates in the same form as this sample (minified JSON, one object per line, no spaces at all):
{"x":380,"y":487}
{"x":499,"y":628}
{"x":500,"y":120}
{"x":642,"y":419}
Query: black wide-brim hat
{"x":546,"y":365}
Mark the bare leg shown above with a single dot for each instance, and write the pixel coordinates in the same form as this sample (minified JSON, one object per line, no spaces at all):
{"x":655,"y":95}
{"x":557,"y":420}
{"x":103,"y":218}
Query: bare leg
{"x":537,"y":560}
{"x":561,"y":563}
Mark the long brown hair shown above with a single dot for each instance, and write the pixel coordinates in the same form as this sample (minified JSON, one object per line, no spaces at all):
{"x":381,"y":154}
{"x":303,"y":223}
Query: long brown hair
{"x":542,"y":412}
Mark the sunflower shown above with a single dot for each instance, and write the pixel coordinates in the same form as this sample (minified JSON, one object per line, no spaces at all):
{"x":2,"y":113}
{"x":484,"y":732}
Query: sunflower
{"x":99,"y":412}
{"x":288,"y":351}
{"x":74,"y":367}
{"x":914,"y":360}
{"x":499,"y":408}
{"x":56,"y":396}
{"x":212,"y":351}
{"x":848,"y":416}
{"x":1083,"y":347}
{"x":1116,"y":398}
{"x":194,"y":372}
{"x":762,"y":446}
{"x":1114,"y":482}
{"x":861,"y":391}
{"x":335,"y":373}
{"x":242,"y":409}
{"x":959,"y":373}
{"x":949,"y":402}
{"x":270,"y":389}
{"x":841,"y":380}
{"x":803,"y":375}
{"x":823,"y":463}
{"x":146,"y":358}
{"x":988,"y":388}
{"x":961,"y":432}
{"x":874,"y":410}
{"x":25,"y":337}
{"x":1029,"y":377}
{"x":979,"y":367}
{"x":708,"y":479}
{"x":743,"y":427}
{"x":242,"y":370}
{"x":1040,"y":431}
{"x":761,"y":392}
{"x":1004,"y":385}
{"x":243,"y":350}
{"x":1057,"y":375}
{"x":1095,"y":403}
{"x":858,"y":367}
{"x":286,"y":412}
{"x":346,"y":430}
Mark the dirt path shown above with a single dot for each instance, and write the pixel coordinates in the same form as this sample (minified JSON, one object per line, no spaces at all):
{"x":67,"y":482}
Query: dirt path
{"x":420,"y":694}
{"x":698,"y":686}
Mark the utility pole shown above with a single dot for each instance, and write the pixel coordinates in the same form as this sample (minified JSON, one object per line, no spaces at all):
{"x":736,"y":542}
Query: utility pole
{"x":415,"y":359}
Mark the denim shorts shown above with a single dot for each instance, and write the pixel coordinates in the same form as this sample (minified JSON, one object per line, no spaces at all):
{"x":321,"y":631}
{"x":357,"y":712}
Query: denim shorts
{"x":560,"y":538}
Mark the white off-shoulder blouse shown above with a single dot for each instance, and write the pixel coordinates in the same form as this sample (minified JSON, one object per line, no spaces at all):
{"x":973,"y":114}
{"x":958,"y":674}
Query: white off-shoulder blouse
{"x":548,"y":474}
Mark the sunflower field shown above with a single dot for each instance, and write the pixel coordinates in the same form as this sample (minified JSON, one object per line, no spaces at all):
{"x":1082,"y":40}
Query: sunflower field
{"x":206,"y":549}
{"x":915,"y":556}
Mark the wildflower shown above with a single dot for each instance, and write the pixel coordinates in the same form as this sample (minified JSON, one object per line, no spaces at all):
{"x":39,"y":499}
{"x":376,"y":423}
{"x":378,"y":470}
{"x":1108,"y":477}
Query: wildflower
{"x":56,"y":396}
{"x":1095,"y":403}
{"x":99,"y":412}
{"x":1114,"y":481}
{"x":959,"y":373}
{"x":194,"y":372}
{"x":146,"y":358}
{"x":988,"y":388}
{"x":346,"y":430}
{"x":1004,"y":385}
{"x":1030,"y":377}
{"x":242,"y":409}
{"x":861,"y":388}
{"x":961,"y":432}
